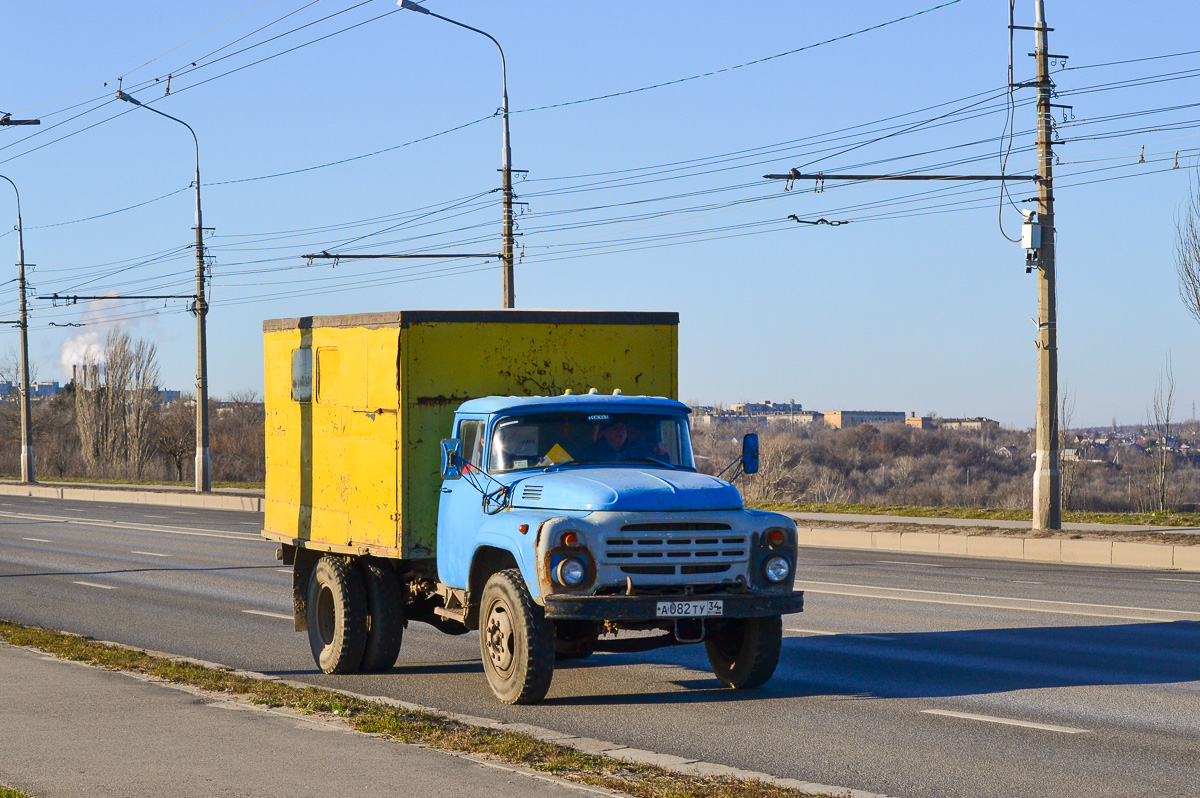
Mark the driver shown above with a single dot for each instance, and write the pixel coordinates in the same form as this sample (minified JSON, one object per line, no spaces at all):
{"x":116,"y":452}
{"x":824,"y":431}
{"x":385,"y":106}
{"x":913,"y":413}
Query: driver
{"x":613,"y":443}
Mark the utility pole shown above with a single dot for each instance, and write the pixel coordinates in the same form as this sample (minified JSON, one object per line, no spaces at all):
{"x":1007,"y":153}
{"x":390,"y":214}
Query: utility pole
{"x":1047,"y":480}
{"x":1047,"y":477}
{"x":27,"y":472}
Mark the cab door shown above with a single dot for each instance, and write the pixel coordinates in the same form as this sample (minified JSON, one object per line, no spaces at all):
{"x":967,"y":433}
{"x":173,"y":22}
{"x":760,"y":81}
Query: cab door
{"x":460,"y":507}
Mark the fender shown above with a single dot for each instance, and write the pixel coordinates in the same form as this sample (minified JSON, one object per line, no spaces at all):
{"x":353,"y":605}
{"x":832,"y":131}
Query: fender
{"x":503,"y":531}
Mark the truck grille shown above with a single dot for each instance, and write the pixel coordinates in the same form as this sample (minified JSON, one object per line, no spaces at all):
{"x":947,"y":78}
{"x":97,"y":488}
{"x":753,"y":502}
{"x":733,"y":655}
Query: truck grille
{"x":671,"y":549}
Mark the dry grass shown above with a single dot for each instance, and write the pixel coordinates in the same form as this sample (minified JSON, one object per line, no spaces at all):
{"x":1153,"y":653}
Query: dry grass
{"x":983,"y":514}
{"x":399,"y":725}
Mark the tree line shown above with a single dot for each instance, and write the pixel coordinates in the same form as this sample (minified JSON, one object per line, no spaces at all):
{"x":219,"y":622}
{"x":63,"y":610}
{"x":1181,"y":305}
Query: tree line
{"x":111,"y":422}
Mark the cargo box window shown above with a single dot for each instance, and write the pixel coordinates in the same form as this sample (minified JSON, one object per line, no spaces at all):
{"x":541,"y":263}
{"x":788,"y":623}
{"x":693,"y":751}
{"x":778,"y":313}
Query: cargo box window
{"x":302,"y":374}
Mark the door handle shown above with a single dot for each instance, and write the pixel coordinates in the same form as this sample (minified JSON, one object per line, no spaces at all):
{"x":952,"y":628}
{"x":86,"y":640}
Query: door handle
{"x":447,"y":490}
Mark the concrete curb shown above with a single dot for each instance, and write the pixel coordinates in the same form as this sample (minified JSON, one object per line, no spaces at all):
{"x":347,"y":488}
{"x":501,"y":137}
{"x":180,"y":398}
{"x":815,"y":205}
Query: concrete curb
{"x":204,"y":501}
{"x":1060,"y":550}
{"x":587,"y":745}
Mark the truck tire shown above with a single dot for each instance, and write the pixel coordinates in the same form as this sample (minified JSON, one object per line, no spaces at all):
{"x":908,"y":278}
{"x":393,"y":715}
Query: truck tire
{"x":385,"y":617}
{"x":337,"y":615}
{"x":516,"y":641}
{"x":743,"y":652}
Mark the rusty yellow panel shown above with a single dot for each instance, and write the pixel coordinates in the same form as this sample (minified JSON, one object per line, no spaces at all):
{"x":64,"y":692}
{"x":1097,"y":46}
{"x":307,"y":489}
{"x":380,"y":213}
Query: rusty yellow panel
{"x":445,"y":363}
{"x":356,"y":405}
{"x":350,"y":497}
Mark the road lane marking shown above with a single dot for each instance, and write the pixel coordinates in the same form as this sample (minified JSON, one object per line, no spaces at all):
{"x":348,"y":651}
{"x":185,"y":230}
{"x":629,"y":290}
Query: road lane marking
{"x":1157,"y":578}
{"x":150,"y":553}
{"x":1006,"y":721}
{"x":157,"y":516}
{"x":867,"y":635}
{"x":905,"y":562}
{"x":1024,"y":582}
{"x":38,"y":540}
{"x":270,"y":614}
{"x":284,"y":570}
{"x":997,"y":602}
{"x":169,"y":530}
{"x":93,"y":584}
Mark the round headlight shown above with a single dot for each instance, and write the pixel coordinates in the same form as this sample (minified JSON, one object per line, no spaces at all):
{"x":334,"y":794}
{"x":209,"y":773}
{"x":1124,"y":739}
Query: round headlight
{"x":776,"y":569}
{"x":571,"y":572}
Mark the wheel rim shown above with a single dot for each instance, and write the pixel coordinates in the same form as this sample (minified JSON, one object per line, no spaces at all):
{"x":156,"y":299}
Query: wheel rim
{"x":326,"y":618}
{"x":499,"y":637}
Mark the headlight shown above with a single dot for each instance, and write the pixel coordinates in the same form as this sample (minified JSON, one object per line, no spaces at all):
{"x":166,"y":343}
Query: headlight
{"x":571,"y":572}
{"x":776,"y":569}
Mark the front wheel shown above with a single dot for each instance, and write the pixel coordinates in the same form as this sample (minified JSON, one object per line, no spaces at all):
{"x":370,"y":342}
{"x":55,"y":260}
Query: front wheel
{"x":515,"y":640}
{"x":743,"y":652}
{"x":337,"y":615}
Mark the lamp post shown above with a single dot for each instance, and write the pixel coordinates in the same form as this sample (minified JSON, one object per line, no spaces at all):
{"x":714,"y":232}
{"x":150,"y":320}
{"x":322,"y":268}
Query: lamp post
{"x":27,"y":474}
{"x":506,"y":164}
{"x":203,"y":460}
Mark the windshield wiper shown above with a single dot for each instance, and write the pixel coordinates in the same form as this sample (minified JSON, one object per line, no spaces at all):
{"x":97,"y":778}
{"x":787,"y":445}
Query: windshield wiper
{"x":575,"y":461}
{"x":654,"y":460}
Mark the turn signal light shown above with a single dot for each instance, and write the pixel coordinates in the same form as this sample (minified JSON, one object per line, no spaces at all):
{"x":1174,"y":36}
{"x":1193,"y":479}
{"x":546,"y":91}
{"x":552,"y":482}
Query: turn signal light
{"x":775,"y":537}
{"x":570,"y":539}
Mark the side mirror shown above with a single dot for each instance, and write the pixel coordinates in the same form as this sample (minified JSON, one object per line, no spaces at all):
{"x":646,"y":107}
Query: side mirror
{"x":750,"y":453}
{"x":451,"y":455}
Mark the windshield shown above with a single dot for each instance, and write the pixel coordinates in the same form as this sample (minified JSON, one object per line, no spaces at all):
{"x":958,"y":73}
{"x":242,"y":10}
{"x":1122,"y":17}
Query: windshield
{"x":564,"y":438}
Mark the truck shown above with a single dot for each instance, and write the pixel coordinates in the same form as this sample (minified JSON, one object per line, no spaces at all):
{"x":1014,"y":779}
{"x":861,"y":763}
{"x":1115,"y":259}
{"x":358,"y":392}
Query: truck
{"x":526,"y":475}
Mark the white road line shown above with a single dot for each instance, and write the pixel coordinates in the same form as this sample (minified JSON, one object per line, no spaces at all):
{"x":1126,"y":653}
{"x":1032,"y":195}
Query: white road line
{"x":867,"y":635}
{"x":38,"y":540}
{"x":998,"y":602}
{"x":905,"y":562}
{"x":150,"y":553}
{"x":156,"y":516}
{"x":269,"y":614}
{"x":284,"y":570}
{"x":93,"y":584}
{"x":170,"y":530}
{"x":1024,"y":582}
{"x":1006,"y":721}
{"x":1157,"y":578}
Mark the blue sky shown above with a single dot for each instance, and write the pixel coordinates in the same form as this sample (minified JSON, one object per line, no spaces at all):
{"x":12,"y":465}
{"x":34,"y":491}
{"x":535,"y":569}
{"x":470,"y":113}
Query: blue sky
{"x":650,"y":199}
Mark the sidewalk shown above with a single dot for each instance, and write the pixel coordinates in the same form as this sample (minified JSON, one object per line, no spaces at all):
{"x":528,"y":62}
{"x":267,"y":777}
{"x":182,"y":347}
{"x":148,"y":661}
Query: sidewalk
{"x":68,"y":729}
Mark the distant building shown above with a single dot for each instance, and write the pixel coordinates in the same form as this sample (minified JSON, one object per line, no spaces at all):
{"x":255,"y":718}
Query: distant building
{"x":977,"y":424}
{"x":845,"y":419}
{"x":921,"y":422}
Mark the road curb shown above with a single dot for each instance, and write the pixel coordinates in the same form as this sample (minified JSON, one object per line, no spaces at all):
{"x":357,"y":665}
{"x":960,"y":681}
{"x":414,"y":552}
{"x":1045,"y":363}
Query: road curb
{"x":203,"y":501}
{"x":1002,"y":547}
{"x":587,"y":745}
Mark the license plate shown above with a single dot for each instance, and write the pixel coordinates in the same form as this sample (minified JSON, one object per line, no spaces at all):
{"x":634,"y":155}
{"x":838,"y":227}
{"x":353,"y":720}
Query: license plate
{"x":690,"y":609}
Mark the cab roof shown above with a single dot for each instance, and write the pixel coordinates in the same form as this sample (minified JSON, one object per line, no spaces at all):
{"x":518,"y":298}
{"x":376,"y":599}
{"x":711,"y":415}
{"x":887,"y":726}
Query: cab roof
{"x":488,"y":405}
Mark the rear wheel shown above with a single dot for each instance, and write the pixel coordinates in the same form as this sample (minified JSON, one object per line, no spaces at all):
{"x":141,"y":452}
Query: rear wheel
{"x":385,"y":617}
{"x":515,"y":640}
{"x":743,"y":652}
{"x":337,"y":615}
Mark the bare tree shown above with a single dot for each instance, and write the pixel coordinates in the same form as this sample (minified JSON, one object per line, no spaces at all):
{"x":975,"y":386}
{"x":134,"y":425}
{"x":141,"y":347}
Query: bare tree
{"x":1067,"y":467}
{"x":1187,"y":252}
{"x":116,"y":406}
{"x":1163,"y":457}
{"x":175,"y":433}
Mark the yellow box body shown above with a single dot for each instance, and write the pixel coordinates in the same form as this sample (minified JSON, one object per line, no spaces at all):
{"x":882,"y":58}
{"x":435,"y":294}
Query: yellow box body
{"x":353,"y":440}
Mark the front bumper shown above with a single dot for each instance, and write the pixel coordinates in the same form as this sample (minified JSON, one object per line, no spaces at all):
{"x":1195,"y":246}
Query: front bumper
{"x":645,"y":608}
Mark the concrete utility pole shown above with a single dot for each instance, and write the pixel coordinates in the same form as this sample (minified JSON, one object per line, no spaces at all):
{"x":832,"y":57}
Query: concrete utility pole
{"x":1047,"y":477}
{"x":27,"y":473}
{"x":508,"y":287}
{"x":203,"y":459}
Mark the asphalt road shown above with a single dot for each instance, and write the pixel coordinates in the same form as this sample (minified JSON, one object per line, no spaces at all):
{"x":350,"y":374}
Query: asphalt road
{"x":907,"y":675}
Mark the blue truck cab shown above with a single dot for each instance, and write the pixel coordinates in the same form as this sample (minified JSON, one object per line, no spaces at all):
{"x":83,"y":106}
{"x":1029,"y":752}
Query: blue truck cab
{"x":565,"y":519}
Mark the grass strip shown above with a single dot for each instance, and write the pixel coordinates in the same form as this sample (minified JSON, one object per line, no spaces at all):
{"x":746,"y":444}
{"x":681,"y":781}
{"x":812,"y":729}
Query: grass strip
{"x":398,"y":724}
{"x":13,"y":792}
{"x":983,"y":513}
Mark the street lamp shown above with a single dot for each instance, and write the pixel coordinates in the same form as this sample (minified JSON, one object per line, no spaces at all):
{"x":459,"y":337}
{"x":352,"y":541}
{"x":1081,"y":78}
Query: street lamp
{"x":203,"y":461}
{"x":27,"y":474}
{"x":506,"y":166}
